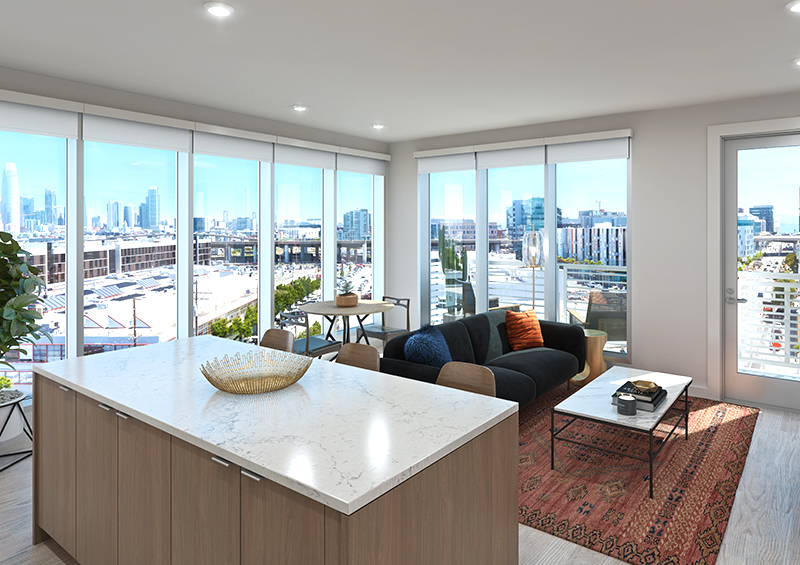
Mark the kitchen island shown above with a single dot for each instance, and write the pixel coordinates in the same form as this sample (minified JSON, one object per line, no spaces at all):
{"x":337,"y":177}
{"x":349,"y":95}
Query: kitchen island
{"x":138,"y":459}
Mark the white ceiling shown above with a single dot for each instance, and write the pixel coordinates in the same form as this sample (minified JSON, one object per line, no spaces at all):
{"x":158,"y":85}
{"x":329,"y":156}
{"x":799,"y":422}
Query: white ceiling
{"x":422,"y":67}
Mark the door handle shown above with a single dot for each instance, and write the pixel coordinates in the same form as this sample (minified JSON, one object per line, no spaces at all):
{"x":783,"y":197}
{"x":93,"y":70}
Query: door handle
{"x":732,"y":300}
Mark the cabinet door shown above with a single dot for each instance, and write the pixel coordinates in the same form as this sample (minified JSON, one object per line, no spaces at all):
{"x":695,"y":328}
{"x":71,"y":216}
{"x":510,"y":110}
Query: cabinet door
{"x":205,"y":507}
{"x":280,"y":525}
{"x":144,"y":494}
{"x":96,"y":523}
{"x":54,"y":463}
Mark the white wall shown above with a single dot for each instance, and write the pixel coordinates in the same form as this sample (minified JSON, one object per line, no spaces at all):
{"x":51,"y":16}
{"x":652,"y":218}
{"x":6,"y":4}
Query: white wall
{"x":668,"y":292}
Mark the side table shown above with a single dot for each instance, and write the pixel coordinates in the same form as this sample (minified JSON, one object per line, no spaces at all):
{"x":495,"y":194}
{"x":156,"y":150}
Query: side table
{"x":595,"y":364}
{"x":11,"y":406}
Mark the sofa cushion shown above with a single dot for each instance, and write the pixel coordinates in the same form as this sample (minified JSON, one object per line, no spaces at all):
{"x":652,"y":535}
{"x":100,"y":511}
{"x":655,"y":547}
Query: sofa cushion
{"x":487,"y":332}
{"x":523,"y":330}
{"x":427,"y":347}
{"x":513,"y":385}
{"x":547,"y":367}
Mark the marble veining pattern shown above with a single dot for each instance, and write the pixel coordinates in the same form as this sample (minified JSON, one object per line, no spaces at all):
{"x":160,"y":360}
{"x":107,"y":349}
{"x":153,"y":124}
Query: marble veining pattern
{"x":342,"y":436}
{"x":594,"y":400}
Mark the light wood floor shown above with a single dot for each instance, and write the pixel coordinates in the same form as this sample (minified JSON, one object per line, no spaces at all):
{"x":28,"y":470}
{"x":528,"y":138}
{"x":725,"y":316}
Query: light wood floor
{"x":764,"y":526}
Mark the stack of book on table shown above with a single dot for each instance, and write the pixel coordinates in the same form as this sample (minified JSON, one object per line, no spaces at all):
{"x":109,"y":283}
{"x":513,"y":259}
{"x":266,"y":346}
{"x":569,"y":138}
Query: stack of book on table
{"x":647,"y":401}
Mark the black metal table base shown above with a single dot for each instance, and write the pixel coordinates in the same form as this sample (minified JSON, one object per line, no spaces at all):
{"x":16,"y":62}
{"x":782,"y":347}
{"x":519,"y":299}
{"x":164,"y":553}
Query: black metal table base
{"x":26,"y":427}
{"x":651,"y":455}
{"x":346,"y":324}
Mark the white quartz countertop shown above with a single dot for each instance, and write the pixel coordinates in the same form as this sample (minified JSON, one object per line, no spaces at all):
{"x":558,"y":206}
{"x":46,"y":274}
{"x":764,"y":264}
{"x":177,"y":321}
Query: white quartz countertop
{"x":342,"y":436}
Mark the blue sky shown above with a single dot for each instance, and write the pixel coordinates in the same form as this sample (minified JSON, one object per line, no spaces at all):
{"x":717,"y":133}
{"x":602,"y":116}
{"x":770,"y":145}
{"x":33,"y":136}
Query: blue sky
{"x":580,"y":186}
{"x":771,"y":176}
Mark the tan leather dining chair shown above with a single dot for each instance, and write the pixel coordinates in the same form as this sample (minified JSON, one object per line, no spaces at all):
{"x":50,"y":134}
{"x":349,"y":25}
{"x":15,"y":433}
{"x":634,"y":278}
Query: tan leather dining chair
{"x":281,"y":340}
{"x":360,"y":355}
{"x":467,"y":376}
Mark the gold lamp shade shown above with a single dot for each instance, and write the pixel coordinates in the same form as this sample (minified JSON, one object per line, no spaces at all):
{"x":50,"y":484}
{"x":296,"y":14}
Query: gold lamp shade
{"x":255,"y":372}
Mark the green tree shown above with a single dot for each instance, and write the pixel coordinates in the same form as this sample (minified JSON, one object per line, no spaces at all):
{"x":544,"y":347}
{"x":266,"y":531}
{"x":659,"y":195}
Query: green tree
{"x":790,"y":263}
{"x":219,"y":328}
{"x":316,"y":329}
{"x":239,"y":330}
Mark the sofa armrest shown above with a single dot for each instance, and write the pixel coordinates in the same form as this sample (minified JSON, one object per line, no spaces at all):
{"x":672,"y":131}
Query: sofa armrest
{"x":409,"y":370}
{"x":566,"y":337}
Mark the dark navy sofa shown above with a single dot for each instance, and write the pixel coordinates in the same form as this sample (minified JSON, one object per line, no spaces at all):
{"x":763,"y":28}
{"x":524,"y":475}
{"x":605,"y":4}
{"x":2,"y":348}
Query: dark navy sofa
{"x":521,"y":376}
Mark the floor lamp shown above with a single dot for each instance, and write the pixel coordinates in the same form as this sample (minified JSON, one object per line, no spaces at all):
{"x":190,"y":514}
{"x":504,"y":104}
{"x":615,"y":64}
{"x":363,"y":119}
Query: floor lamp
{"x":532,"y":253}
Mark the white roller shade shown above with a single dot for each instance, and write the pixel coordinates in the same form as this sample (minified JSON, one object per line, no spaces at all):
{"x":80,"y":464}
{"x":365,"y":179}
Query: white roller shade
{"x":445,"y":163}
{"x":227,"y":146}
{"x":588,"y":150}
{"x":290,"y":155}
{"x":112,"y":130}
{"x":40,"y":121}
{"x":517,"y":157}
{"x":355,"y":164}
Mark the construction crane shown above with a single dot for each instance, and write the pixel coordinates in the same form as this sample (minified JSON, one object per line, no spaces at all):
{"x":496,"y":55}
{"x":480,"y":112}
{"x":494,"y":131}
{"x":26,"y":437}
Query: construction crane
{"x":599,"y":204}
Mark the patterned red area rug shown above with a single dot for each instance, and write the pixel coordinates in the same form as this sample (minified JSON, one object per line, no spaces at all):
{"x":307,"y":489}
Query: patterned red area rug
{"x":600,"y":500}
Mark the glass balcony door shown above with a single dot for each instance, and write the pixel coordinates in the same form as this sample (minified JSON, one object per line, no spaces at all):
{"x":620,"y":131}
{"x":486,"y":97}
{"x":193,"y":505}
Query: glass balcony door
{"x":762,"y":285}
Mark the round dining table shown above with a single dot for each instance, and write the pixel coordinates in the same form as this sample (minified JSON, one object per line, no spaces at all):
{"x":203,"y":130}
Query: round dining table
{"x":331,"y":311}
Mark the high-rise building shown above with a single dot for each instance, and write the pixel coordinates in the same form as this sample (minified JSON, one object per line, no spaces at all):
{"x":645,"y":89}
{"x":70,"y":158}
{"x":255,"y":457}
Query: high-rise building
{"x":50,"y":206}
{"x":144,"y":217}
{"x":153,"y":209}
{"x":356,"y":225}
{"x":128,"y":216}
{"x":27,"y":213}
{"x":113,"y":214}
{"x":10,"y":199}
{"x":767,"y":213}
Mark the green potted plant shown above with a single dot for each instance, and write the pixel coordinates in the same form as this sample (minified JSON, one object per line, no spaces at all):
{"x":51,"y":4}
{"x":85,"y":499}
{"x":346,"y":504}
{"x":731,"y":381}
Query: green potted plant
{"x":19,"y":292}
{"x":346,"y":298}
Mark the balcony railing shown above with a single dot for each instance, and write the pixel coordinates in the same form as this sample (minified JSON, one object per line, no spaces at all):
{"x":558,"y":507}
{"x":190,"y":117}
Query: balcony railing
{"x":769,"y":344}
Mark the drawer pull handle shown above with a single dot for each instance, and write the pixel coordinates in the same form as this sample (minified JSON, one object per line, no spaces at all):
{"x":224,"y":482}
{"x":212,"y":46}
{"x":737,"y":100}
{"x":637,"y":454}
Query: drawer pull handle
{"x":123,"y":416}
{"x":220,"y":461}
{"x":250,"y":475}
{"x":104,"y":407}
{"x":65,"y":389}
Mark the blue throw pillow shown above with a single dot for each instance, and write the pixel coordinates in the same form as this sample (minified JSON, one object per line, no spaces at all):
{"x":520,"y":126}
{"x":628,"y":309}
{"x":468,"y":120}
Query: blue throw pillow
{"x":427,"y":347}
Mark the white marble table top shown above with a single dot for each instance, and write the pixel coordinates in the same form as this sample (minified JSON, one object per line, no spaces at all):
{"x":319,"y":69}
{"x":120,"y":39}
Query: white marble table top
{"x":594,"y":399}
{"x":342,"y":436}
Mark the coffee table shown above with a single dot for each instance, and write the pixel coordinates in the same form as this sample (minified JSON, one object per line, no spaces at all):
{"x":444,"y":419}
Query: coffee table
{"x":593,"y":403}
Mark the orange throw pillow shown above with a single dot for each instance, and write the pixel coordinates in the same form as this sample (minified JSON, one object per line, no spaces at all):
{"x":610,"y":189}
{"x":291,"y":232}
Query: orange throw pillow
{"x":523,"y":330}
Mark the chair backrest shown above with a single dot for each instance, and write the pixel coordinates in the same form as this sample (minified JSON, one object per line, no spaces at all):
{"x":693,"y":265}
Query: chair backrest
{"x":469,"y":377}
{"x":295,"y":319}
{"x":467,"y":297}
{"x":282,"y":340}
{"x":360,"y":355}
{"x":608,"y":311}
{"x":398,"y":303}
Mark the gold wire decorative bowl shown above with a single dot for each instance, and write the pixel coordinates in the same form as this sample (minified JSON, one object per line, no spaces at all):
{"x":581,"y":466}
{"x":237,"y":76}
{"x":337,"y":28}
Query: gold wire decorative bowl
{"x":255,"y":372}
{"x":644,"y":387}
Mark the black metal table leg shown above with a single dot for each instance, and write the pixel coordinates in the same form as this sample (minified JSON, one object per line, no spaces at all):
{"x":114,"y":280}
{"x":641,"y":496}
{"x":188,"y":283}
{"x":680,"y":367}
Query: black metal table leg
{"x":650,"y":453}
{"x":26,"y":427}
{"x":552,"y":439}
{"x":361,"y":325}
{"x":686,"y":410}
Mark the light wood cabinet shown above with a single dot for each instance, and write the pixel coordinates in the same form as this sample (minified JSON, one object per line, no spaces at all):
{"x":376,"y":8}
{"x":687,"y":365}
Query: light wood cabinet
{"x":54,"y":463}
{"x":97,"y":465}
{"x":272,"y":518}
{"x":144,"y":493}
{"x":205,"y":507}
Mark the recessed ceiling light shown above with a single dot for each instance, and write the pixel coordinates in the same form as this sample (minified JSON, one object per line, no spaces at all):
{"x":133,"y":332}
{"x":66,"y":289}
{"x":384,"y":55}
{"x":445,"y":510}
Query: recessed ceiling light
{"x":793,"y":6}
{"x":797,"y":62}
{"x":219,"y":9}
{"x":300,"y":108}
{"x":377,"y":126}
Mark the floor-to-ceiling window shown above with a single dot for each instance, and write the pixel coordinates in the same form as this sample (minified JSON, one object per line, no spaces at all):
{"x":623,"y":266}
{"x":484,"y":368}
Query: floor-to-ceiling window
{"x":354,"y":225}
{"x":225,"y":227}
{"x":130,"y":246}
{"x":33,"y":211}
{"x":298,"y":235}
{"x":516,"y":212}
{"x":592,"y":246}
{"x":452,"y":245}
